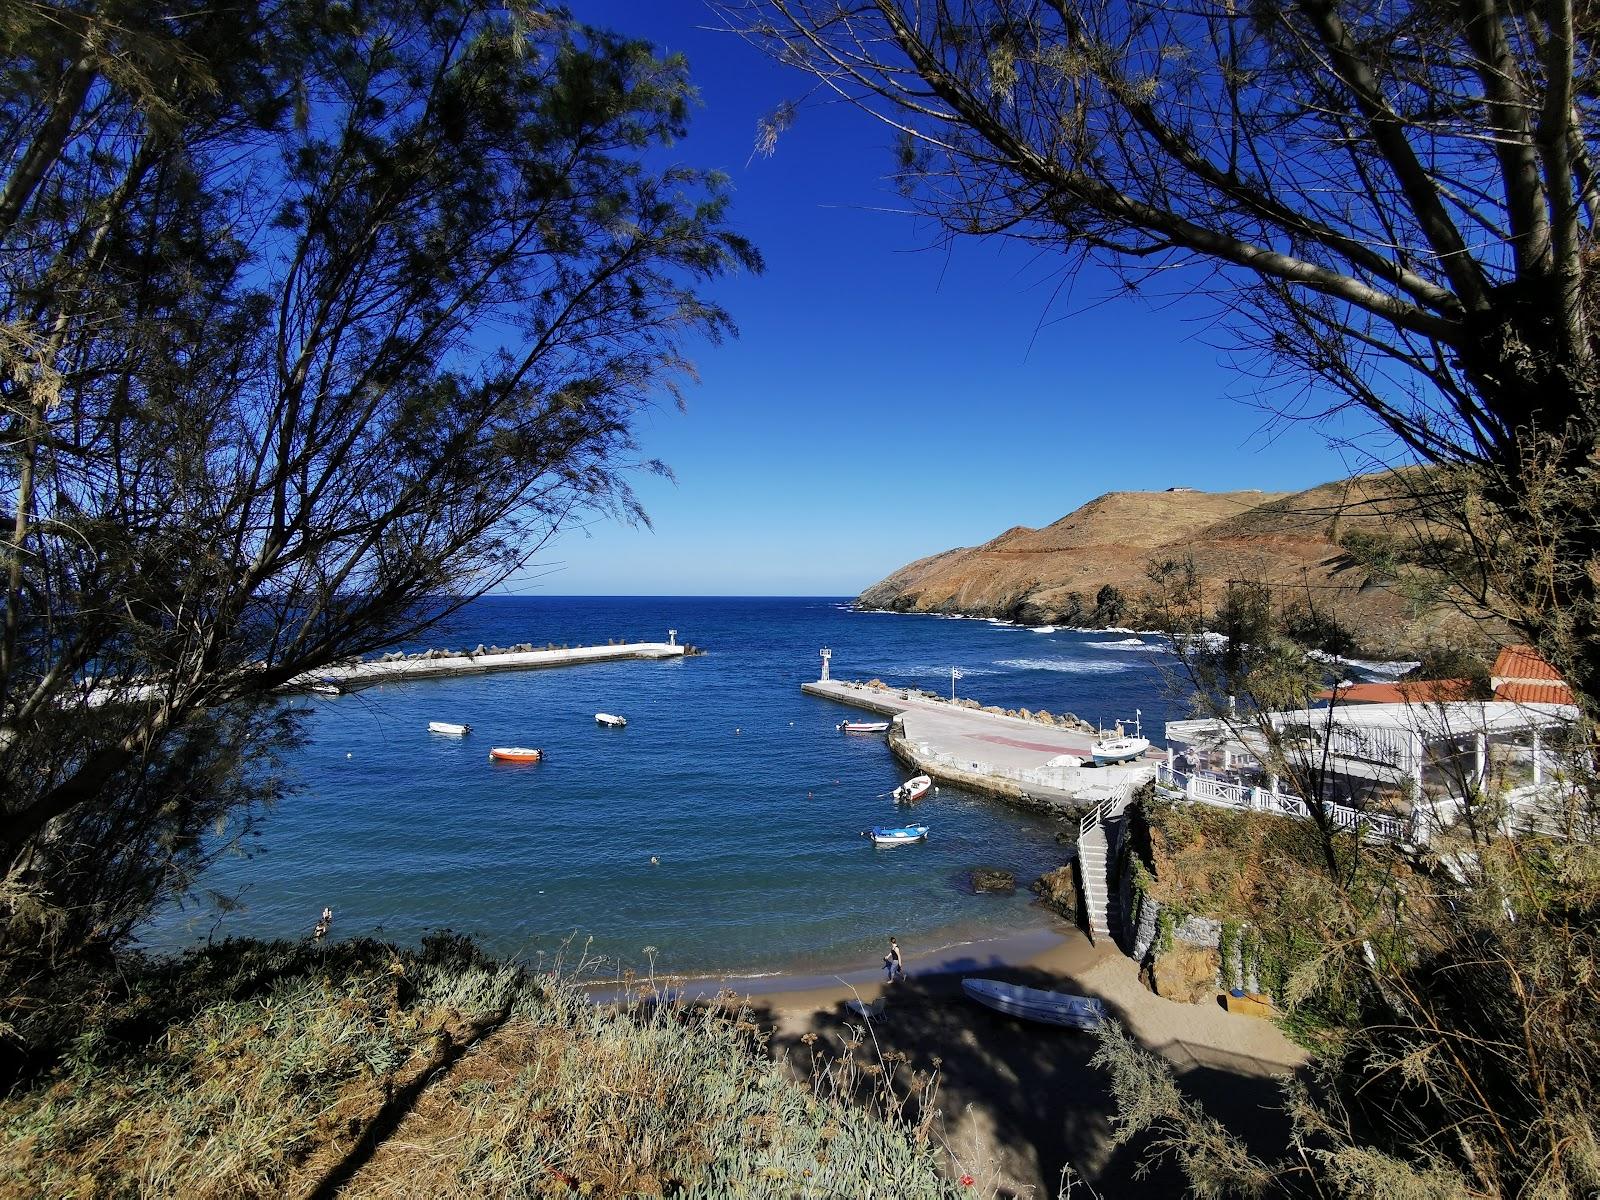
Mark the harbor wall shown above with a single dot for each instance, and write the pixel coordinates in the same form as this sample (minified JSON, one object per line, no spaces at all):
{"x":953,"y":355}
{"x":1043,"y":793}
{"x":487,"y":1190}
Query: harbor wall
{"x":432,"y":665}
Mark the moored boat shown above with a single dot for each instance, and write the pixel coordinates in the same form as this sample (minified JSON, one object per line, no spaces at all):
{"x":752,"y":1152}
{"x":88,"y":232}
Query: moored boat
{"x":610,"y":719}
{"x":515,"y":754}
{"x":864,"y":726}
{"x":327,"y":689}
{"x":913,"y":789}
{"x":1034,"y":1004}
{"x":899,"y":835}
{"x":450,"y":728}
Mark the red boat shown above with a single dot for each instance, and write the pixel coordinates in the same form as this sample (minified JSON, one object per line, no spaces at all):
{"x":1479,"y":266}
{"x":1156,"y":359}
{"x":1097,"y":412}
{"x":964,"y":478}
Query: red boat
{"x":517,"y":754}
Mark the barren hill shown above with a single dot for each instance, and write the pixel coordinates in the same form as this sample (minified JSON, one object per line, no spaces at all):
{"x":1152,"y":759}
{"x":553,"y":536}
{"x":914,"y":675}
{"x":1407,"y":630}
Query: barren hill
{"x":1054,"y":575}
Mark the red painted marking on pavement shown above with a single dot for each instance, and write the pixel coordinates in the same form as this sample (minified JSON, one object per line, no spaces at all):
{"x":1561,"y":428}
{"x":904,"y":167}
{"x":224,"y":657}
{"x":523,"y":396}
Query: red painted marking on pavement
{"x":1005,"y":741}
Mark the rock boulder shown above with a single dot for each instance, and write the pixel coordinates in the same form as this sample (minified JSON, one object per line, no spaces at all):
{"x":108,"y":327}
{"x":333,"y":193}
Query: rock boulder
{"x":1187,"y":974}
{"x":992,"y":879}
{"x":1058,"y":890}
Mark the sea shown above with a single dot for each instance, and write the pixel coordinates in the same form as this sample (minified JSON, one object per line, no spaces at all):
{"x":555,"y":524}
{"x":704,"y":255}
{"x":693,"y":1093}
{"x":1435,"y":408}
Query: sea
{"x":719,"y":833}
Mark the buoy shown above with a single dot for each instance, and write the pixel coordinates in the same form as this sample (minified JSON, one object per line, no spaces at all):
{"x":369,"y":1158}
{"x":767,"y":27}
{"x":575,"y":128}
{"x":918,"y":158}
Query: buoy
{"x":654,"y":861}
{"x":349,"y":755}
{"x":738,"y":731}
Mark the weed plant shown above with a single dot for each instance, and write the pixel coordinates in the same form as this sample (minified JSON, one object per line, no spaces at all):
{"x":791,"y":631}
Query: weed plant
{"x":252,"y":1068}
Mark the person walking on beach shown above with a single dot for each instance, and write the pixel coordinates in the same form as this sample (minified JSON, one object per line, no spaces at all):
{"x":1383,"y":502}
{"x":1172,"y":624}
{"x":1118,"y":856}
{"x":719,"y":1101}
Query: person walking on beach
{"x":894,"y":966}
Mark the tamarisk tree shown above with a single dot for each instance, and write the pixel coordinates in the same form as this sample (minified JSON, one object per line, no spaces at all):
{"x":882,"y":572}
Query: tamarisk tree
{"x":316,"y":320}
{"x":1396,"y":203}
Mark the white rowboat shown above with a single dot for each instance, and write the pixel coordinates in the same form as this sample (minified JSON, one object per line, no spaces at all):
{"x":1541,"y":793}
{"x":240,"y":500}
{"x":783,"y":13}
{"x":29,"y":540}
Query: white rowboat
{"x":913,"y":789}
{"x":1032,"y":1004}
{"x":610,"y":719}
{"x":864,"y":726}
{"x":450,"y":728}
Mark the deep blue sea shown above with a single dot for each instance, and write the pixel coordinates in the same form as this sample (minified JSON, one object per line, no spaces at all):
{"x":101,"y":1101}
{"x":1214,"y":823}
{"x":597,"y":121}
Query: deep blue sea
{"x":740,"y":785}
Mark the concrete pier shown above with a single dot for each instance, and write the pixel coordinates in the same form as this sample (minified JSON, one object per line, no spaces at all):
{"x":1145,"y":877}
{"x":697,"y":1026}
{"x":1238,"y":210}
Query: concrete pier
{"x":372,"y":671}
{"x":1006,"y":757}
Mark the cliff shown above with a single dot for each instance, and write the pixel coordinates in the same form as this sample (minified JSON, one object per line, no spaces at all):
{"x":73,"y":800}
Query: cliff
{"x":1291,"y":541}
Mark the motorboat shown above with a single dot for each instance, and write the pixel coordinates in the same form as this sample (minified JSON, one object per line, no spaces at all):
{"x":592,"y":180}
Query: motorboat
{"x":1034,"y":1004}
{"x":899,"y":835}
{"x":515,"y":754}
{"x":1120,"y":747}
{"x":611,"y":720}
{"x":327,"y":689}
{"x":449,"y":728}
{"x":913,"y":789}
{"x":864,"y":726}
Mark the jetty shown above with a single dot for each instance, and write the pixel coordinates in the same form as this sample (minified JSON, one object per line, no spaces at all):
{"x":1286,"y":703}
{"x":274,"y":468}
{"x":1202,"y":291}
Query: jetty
{"x":430,"y":664}
{"x":1032,"y":763}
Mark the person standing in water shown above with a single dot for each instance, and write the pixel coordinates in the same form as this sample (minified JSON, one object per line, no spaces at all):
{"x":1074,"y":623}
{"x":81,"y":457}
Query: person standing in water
{"x":894,"y":966}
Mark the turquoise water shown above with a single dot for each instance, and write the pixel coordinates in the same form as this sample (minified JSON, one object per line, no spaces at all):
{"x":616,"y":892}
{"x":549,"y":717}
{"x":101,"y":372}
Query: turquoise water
{"x":737,"y":782}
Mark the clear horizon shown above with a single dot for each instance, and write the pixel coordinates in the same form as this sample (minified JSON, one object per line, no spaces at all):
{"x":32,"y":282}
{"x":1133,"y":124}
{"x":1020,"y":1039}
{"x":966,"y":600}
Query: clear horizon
{"x":888,"y":400}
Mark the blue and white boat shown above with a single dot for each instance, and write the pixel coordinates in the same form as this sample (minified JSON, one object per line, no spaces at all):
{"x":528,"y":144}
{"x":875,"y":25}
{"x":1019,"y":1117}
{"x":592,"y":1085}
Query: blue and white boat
{"x":1032,"y":1004}
{"x":899,"y":835}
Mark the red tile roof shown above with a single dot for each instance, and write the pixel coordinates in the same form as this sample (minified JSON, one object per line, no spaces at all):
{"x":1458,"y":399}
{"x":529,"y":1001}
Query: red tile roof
{"x":1534,"y":693}
{"x":1409,"y":691}
{"x":1525,"y":664}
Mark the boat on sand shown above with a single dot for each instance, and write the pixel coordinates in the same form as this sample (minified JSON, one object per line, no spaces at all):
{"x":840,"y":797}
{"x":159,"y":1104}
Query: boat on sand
{"x":1034,"y":1004}
{"x":898,"y":835}
{"x":515,"y":754}
{"x":913,"y":789}
{"x":864,"y":726}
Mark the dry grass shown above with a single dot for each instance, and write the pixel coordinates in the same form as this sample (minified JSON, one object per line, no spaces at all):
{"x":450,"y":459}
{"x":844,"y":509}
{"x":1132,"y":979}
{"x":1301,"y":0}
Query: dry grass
{"x":248,"y":1070}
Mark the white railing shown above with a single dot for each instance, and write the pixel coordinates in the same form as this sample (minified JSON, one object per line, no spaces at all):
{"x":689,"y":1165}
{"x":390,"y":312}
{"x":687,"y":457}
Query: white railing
{"x":1113,"y":804}
{"x":1370,"y":745}
{"x":1254,"y":799}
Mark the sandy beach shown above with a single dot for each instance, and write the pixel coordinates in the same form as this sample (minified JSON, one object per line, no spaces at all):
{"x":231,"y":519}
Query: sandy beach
{"x":1019,"y":1101}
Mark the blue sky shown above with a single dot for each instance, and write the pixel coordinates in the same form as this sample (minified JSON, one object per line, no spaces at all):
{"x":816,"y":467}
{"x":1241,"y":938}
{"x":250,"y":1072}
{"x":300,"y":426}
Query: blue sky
{"x":885,"y":399}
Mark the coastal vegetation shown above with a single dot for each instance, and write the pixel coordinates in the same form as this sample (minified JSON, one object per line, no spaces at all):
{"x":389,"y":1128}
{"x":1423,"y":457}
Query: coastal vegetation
{"x":251,"y":1068}
{"x":317,"y":321}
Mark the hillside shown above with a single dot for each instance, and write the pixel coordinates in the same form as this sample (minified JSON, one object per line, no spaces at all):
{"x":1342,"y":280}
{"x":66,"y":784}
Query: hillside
{"x":1288,"y":540}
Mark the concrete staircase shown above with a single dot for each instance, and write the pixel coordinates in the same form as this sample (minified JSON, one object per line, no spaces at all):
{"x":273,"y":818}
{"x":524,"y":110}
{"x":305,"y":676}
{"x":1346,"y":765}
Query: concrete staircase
{"x":1099,"y":834}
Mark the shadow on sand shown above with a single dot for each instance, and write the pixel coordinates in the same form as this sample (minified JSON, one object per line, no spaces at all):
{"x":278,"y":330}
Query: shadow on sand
{"x":1019,"y":1100}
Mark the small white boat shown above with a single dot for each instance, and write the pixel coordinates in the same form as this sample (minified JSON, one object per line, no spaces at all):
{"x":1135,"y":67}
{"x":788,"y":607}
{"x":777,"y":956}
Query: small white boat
{"x":1032,"y":1004}
{"x":864,"y":726}
{"x":327,"y":689}
{"x":898,"y":835}
{"x":449,"y":728}
{"x":610,"y":719}
{"x":913,"y":789}
{"x":1120,"y":748}
{"x":515,"y":754}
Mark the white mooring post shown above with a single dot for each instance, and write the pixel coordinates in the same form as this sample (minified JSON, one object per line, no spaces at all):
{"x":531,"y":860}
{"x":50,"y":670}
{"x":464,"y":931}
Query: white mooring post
{"x":672,"y":637}
{"x":826,"y":655}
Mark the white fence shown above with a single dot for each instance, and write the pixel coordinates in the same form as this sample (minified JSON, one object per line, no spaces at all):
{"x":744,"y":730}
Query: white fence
{"x":1254,"y":799}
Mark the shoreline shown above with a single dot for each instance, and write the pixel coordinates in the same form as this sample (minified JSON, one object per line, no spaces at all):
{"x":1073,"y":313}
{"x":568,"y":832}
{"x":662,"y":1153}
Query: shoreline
{"x":798,"y":985}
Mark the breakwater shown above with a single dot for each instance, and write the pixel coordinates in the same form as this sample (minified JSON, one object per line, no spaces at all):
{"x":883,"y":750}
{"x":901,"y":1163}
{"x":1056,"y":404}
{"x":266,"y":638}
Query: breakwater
{"x":481,"y":660}
{"x":1035,"y":761}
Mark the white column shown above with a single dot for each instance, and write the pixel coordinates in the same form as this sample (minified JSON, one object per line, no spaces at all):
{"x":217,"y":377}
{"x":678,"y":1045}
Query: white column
{"x":1480,"y":758}
{"x":1418,"y":757}
{"x":1538,"y":763}
{"x":1227,"y":758}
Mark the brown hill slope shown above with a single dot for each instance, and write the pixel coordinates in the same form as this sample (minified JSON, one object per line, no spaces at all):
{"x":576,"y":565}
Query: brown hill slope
{"x":1053,"y":575}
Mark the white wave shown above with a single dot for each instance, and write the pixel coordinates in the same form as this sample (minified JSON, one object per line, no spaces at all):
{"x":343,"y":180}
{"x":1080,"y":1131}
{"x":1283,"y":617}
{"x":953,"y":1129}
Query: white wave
{"x":1067,"y":666}
{"x":1041,"y":629}
{"x":1375,"y":667}
{"x":1124,"y":644}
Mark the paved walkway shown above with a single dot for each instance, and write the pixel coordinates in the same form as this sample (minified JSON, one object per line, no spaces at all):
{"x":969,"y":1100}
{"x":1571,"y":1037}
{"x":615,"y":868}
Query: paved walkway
{"x":1007,"y":756}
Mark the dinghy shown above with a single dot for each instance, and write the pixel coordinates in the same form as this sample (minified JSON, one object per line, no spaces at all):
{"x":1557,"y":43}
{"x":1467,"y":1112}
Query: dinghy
{"x":1032,"y":1004}
{"x":515,"y":754}
{"x":610,"y":719}
{"x":900,"y":835}
{"x":450,"y":728}
{"x":864,"y":726}
{"x":327,"y":689}
{"x":913,"y":789}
